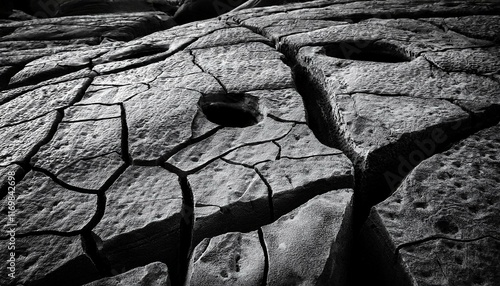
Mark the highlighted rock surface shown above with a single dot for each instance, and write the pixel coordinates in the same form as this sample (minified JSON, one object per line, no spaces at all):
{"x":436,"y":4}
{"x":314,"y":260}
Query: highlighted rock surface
{"x":250,"y":148}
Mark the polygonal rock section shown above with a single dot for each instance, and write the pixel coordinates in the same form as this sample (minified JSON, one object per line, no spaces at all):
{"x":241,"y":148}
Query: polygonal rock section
{"x":248,"y":175}
{"x":307,"y":246}
{"x":43,"y":205}
{"x":391,"y":94}
{"x":233,"y":258}
{"x":154,"y":274}
{"x":86,"y":149}
{"x":142,"y":218}
{"x":441,"y":226}
{"x":45,"y":260}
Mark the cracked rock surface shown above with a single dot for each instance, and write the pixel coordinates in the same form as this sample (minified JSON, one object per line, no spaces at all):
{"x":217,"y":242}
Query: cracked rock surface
{"x":441,"y":225}
{"x":249,"y":149}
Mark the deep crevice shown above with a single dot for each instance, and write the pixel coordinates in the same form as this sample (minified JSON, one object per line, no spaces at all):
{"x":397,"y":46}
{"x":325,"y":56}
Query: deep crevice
{"x":126,"y":157}
{"x":262,"y":241}
{"x":92,"y":246}
{"x":186,"y":231}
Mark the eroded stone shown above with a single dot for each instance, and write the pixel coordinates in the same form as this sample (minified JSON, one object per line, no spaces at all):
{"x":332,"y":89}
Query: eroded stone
{"x":229,"y":259}
{"x":154,"y":274}
{"x":450,"y":199}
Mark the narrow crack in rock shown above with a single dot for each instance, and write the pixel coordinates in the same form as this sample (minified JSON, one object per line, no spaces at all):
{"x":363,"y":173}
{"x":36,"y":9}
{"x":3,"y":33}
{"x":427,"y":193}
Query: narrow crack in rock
{"x":266,"y":257}
{"x":203,"y":70}
{"x":186,"y":229}
{"x":437,"y":237}
{"x":269,"y":193}
{"x":126,"y":157}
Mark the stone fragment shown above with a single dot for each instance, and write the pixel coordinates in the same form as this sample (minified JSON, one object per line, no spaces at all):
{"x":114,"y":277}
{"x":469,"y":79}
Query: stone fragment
{"x":140,"y":196}
{"x":40,"y":101}
{"x":142,"y":219}
{"x":251,"y":66}
{"x":230,"y":259}
{"x":159,"y":121}
{"x":228,"y":36}
{"x":19,"y":142}
{"x":228,"y":197}
{"x":310,"y":245}
{"x":120,"y":27}
{"x":54,"y":65}
{"x":47,"y":260}
{"x":477,"y":26}
{"x":293,"y":181}
{"x":43,"y":205}
{"x":154,"y":274}
{"x":282,"y":105}
{"x":484,"y":61}
{"x":441,"y":225}
{"x":84,"y":152}
{"x":379,"y":93}
{"x":227,"y":140}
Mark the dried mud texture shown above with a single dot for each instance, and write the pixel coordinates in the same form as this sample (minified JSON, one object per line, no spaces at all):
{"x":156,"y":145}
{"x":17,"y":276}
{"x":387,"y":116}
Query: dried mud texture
{"x":248,"y":149}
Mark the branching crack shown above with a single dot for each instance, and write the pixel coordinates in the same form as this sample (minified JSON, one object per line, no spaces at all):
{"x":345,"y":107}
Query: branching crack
{"x":269,"y":193}
{"x":63,"y":184}
{"x":198,"y":168}
{"x":278,"y":155}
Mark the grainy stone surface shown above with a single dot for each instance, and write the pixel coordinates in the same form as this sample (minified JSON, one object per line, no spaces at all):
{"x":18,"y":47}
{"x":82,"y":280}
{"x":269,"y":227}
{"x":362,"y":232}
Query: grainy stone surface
{"x":154,"y":274}
{"x":307,"y":246}
{"x":441,"y":226}
{"x":249,"y":148}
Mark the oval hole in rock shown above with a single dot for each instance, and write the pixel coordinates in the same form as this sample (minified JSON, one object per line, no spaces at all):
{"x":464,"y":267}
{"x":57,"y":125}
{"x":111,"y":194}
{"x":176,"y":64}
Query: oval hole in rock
{"x":232,"y":109}
{"x":366,"y":51}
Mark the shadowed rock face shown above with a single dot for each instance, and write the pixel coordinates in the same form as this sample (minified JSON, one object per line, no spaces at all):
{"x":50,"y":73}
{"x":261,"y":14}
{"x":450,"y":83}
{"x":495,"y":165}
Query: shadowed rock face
{"x":318,"y":143}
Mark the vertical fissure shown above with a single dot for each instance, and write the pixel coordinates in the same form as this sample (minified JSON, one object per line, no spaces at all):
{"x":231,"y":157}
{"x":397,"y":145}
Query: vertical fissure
{"x":266,"y":256}
{"x":269,"y":193}
{"x":186,"y":231}
{"x":126,"y":157}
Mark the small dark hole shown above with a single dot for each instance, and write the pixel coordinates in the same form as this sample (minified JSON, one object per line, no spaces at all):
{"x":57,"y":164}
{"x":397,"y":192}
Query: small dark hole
{"x":446,"y":226}
{"x":232,"y":109}
{"x":366,"y":51}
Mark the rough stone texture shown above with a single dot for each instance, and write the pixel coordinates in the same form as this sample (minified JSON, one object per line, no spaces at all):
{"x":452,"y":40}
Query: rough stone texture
{"x":137,"y":143}
{"x":154,"y":274}
{"x":48,"y":260}
{"x":441,"y":226}
{"x":233,"y":258}
{"x":318,"y":232}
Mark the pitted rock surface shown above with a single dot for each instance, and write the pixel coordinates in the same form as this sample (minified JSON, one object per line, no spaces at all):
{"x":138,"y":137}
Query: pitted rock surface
{"x":155,"y":273}
{"x":441,"y":225}
{"x":248,"y":149}
{"x":318,"y":232}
